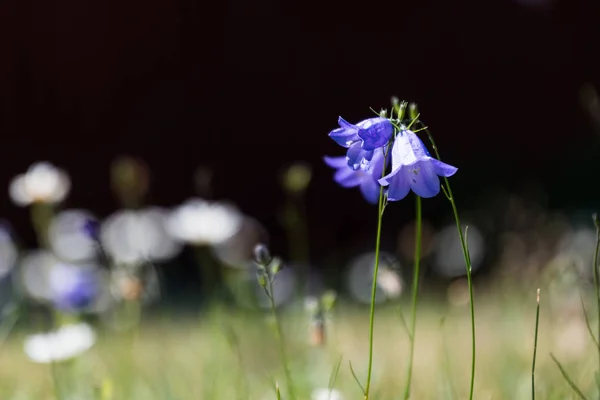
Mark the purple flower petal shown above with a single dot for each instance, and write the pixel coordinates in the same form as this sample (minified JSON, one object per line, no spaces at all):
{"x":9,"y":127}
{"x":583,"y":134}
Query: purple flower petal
{"x":336,"y":162}
{"x":414,"y":168}
{"x":346,"y":135}
{"x":358,"y":157}
{"x":345,"y":124}
{"x":375,"y":132}
{"x":398,"y":184}
{"x":347,"y":177}
{"x":370,"y":190}
{"x":423,"y":180}
{"x":443,"y":169}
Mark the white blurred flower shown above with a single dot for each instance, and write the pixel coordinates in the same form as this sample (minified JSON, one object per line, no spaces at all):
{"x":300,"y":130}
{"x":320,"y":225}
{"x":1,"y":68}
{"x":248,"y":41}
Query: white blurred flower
{"x":133,"y":237}
{"x":201,"y":222}
{"x":360,"y":277}
{"x":448,"y":259}
{"x":63,"y":344}
{"x":34,"y":275}
{"x":390,"y":282}
{"x":68,"y":237}
{"x":42,"y":183}
{"x":578,"y":246}
{"x":238,"y":250}
{"x":8,"y":252}
{"x":326,"y":394}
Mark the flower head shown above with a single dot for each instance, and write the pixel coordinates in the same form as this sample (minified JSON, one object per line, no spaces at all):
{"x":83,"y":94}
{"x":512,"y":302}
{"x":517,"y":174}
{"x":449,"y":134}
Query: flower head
{"x":201,"y":222}
{"x":138,"y":236}
{"x":42,"y":183}
{"x":67,"y":342}
{"x":414,"y":168}
{"x":362,"y":139}
{"x":326,"y":394}
{"x":366,"y":180}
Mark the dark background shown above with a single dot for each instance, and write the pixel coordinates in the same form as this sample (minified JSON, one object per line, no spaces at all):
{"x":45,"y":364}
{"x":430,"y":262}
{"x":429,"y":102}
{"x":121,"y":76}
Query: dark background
{"x":248,"y":87}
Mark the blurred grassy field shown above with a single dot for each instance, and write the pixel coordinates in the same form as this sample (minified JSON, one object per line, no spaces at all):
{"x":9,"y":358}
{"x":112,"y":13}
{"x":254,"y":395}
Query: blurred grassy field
{"x":232,"y":355}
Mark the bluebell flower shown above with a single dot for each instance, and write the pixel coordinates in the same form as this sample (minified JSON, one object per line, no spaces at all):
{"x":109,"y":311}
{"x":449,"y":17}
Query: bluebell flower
{"x":362,"y":139}
{"x":414,"y":168}
{"x":366,"y":180}
{"x":73,"y":288}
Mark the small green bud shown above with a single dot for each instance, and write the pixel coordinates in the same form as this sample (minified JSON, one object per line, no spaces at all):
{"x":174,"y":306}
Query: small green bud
{"x":328,"y":300}
{"x":413,"y":111}
{"x":395,"y":101}
{"x":276,"y":266}
{"x":261,"y":277}
{"x":383,"y":113}
{"x":401,"y":110}
{"x":596,"y":220}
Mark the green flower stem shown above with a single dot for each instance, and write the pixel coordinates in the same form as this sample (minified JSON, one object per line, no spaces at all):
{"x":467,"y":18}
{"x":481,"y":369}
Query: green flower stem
{"x":374,"y":289}
{"x":41,"y":215}
{"x":596,"y":282}
{"x":467,"y":257}
{"x":537,"y":323}
{"x":281,"y":346}
{"x":415,"y":288}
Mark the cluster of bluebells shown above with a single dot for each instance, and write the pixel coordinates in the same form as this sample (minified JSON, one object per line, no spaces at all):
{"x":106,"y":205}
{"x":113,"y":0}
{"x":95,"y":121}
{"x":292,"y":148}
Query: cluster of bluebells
{"x":369,"y":143}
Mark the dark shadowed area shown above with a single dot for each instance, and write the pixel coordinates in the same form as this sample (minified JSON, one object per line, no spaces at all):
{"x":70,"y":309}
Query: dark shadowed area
{"x":246,"y":88}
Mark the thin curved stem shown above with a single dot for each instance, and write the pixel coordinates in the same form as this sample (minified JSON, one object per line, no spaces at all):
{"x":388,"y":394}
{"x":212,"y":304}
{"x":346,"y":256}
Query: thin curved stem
{"x":415,"y":288}
{"x":374,"y":290}
{"x":537,"y":323}
{"x":279,"y":334}
{"x":467,"y":258}
{"x":596,"y":283}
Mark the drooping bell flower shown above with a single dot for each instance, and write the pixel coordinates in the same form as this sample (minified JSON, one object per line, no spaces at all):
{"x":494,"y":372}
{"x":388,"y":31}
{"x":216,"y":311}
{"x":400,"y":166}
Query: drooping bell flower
{"x":414,"y":168}
{"x":367,"y":181}
{"x":362,"y":139}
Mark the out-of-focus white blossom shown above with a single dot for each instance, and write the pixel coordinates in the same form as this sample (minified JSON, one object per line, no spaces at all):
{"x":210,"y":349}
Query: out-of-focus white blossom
{"x":326,"y":394}
{"x":34,"y":275}
{"x":8,"y":252}
{"x":201,"y":222}
{"x":133,"y":237}
{"x":448,"y":259}
{"x":389,"y":281}
{"x":63,"y":344}
{"x":70,"y":287}
{"x":360,"y":277}
{"x":68,"y":237}
{"x":42,"y":183}
{"x":238,"y":250}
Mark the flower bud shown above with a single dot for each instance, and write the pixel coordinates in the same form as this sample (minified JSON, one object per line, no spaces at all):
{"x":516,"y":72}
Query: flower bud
{"x":261,"y":277}
{"x":262,"y":255}
{"x":401,"y":110}
{"x":413,"y":111}
{"x":276,"y":266}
